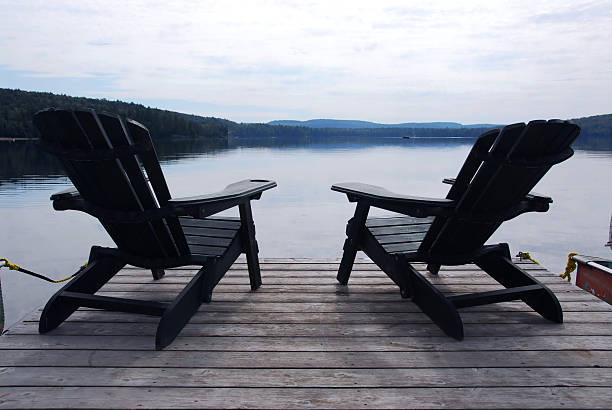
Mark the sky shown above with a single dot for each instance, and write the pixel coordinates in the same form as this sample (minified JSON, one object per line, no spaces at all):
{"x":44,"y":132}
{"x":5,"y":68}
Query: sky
{"x":256,"y":61}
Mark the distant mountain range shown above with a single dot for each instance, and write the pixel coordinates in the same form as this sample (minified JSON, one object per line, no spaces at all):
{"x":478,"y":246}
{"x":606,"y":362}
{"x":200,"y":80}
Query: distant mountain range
{"x":355,"y":124}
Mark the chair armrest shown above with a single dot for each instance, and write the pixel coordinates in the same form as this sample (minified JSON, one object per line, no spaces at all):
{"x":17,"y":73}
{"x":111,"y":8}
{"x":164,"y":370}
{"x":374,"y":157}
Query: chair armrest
{"x":69,"y":193}
{"x":198,"y":206}
{"x":248,"y":188}
{"x":534,"y":196}
{"x":381,"y":198}
{"x":233,"y":194}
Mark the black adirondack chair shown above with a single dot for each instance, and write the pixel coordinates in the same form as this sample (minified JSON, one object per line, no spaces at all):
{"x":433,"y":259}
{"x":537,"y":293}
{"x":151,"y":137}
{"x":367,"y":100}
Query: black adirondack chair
{"x":118,"y":179}
{"x":492,"y":186}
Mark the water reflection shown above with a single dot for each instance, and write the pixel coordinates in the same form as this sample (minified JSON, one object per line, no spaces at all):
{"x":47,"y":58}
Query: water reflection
{"x":302,"y":217}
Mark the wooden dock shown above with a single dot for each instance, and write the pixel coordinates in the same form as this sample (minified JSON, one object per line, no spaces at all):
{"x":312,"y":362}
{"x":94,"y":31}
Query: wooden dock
{"x":301,"y":341}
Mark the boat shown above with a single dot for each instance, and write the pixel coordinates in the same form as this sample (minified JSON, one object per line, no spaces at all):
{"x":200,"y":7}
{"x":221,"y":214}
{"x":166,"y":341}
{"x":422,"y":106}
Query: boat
{"x":595,"y":273}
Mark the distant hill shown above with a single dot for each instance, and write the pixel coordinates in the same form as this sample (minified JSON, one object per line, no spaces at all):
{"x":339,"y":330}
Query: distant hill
{"x":17,"y":108}
{"x":355,"y":124}
{"x":595,"y":126}
{"x":596,"y":132}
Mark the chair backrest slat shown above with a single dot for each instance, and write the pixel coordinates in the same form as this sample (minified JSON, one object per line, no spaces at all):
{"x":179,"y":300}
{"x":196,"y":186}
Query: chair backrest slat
{"x":113,"y":183}
{"x":464,"y":178}
{"x":140,"y":135}
{"x":493,"y":181}
{"x":59,"y":128}
{"x":118,"y":136}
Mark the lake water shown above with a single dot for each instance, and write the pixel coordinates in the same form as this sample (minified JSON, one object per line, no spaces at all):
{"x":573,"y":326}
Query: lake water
{"x":300,"y":218}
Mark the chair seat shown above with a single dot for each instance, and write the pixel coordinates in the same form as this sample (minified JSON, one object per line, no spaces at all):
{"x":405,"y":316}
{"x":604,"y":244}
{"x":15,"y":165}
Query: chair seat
{"x":399,"y":234}
{"x":209,"y":236}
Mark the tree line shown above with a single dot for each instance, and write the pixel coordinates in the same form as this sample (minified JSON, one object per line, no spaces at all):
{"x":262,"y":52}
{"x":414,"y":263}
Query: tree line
{"x":17,"y":108}
{"x":259,"y":131}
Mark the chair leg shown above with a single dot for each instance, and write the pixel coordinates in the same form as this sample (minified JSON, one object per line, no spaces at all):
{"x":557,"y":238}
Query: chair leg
{"x":249,"y":244}
{"x":198,"y":291}
{"x":88,"y":281}
{"x":158,"y":273}
{"x":497,"y":262}
{"x":179,"y":312}
{"x":434,"y":304}
{"x":354,"y":230}
{"x":433,"y":268}
{"x":391,"y":264}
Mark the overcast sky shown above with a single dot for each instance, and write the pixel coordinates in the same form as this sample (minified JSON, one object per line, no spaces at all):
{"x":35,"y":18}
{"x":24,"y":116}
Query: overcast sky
{"x":257,"y":61}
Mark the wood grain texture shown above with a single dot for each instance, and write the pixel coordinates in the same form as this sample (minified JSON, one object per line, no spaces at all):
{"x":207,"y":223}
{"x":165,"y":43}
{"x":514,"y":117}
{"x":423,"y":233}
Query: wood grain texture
{"x":302,"y":341}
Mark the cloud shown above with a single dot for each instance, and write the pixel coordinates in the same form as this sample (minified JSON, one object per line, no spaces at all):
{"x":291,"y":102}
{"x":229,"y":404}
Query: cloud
{"x":589,"y":11}
{"x":384,"y":61}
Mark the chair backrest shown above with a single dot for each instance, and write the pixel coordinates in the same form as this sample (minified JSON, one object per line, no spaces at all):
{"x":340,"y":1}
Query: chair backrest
{"x":502,"y":167}
{"x":113,"y":165}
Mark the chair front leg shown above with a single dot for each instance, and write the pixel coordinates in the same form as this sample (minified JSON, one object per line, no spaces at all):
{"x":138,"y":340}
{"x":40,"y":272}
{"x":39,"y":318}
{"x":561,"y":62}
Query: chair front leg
{"x":354,"y":230}
{"x":249,"y":244}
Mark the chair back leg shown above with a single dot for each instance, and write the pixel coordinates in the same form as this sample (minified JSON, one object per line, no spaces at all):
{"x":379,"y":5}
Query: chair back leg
{"x":158,"y":273}
{"x":87,"y":282}
{"x":497,"y":262}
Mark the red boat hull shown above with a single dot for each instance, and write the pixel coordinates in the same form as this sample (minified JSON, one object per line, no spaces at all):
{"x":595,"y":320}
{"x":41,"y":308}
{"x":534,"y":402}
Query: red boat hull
{"x":594,"y":276}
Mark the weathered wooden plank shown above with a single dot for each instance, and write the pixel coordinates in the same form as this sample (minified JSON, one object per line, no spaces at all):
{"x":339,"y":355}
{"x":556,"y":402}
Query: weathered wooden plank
{"x":152,"y":397}
{"x":316,"y":308}
{"x":305,"y":360}
{"x":219,"y":223}
{"x":363,"y":260}
{"x":283,"y":279}
{"x":402,"y":247}
{"x":297,"y":297}
{"x":322,"y":330}
{"x":398,"y":220}
{"x":369,"y":266}
{"x":411,"y":237}
{"x":366,"y":271}
{"x":207,"y":241}
{"x":218,"y":233}
{"x":307,"y":344}
{"x":398,"y":229}
{"x":203,"y":316}
{"x":304,"y":378}
{"x":323,"y":288}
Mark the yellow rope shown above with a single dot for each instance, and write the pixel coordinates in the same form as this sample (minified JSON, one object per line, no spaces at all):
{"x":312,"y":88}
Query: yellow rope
{"x":14,"y":266}
{"x":569,"y":268}
{"x":525,"y":255}
{"x":9,"y":265}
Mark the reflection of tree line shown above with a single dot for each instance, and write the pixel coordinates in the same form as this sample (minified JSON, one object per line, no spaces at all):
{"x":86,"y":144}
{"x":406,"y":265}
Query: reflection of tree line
{"x":22,"y":159}
{"x":593,"y":143}
{"x":19,"y":159}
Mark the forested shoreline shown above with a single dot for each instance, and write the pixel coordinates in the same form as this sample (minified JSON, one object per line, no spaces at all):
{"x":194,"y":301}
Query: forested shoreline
{"x":17,"y":108}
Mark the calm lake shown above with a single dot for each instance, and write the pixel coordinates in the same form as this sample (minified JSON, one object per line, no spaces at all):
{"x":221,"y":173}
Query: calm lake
{"x":302,"y":217}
